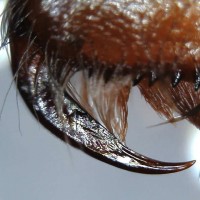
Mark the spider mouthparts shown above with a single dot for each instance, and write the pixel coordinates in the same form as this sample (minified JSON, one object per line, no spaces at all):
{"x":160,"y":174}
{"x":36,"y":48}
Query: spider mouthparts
{"x":46,"y":53}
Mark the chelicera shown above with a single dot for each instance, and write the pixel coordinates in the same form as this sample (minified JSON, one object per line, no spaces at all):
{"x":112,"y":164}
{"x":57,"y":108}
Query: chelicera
{"x":115,"y":45}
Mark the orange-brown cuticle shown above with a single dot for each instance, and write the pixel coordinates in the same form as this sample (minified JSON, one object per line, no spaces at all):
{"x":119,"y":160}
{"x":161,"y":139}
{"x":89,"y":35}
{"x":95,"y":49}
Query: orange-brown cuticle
{"x":161,"y":36}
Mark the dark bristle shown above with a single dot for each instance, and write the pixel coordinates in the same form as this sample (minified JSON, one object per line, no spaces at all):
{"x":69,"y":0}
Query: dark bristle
{"x":138,"y":78}
{"x":153,"y":78}
{"x":90,"y":72}
{"x":107,"y":74}
{"x":177,"y":78}
{"x":197,"y":79}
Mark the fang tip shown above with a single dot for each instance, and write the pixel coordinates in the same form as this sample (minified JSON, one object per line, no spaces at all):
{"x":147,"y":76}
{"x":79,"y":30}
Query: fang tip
{"x":143,"y":164}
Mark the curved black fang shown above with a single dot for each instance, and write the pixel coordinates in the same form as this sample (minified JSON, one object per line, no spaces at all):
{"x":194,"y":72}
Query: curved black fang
{"x":75,"y":123}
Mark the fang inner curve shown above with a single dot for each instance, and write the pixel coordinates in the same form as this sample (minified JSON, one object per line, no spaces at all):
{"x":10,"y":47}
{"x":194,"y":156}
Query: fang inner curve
{"x":117,"y":44}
